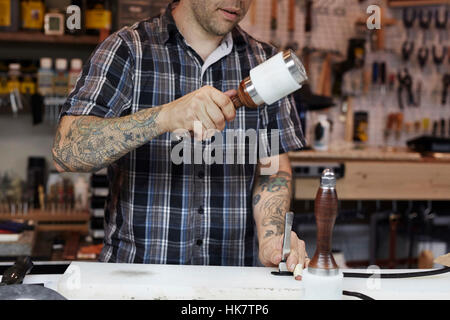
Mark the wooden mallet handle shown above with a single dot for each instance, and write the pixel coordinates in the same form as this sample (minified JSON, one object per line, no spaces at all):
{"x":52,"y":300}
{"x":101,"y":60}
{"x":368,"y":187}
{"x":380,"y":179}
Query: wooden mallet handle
{"x":242,"y":98}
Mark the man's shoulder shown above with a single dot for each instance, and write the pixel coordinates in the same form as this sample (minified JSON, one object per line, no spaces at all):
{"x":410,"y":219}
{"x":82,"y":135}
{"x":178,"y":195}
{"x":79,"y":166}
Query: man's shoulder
{"x":148,"y":30}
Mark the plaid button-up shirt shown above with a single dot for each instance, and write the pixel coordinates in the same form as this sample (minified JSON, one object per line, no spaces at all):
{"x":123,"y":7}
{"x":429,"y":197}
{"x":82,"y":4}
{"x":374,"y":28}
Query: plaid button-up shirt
{"x":159,"y":211}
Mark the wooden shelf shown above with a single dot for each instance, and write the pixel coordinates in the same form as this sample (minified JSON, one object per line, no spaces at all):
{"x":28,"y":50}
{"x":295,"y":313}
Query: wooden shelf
{"x":54,"y":221}
{"x":82,"y":228}
{"x":48,"y":216}
{"x":39,"y":37}
{"x":411,"y":3}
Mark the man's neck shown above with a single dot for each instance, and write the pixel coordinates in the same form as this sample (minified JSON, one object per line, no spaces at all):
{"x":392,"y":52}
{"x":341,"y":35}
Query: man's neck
{"x":203,"y":42}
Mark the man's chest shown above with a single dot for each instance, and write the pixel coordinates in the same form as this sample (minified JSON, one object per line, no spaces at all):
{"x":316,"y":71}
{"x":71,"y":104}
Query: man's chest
{"x":167,"y":73}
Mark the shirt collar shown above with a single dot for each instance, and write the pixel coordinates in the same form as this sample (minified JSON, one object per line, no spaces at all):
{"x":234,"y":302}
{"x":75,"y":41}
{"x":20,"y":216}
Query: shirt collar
{"x":169,"y":30}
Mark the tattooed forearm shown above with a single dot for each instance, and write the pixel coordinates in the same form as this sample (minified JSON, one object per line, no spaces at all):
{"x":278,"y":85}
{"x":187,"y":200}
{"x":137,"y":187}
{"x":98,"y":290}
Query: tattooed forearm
{"x":275,"y":183}
{"x":273,"y":210}
{"x":90,"y":143}
{"x":271,"y":201}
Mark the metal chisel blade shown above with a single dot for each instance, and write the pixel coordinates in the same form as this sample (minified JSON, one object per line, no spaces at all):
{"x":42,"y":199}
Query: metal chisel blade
{"x":288,"y":220}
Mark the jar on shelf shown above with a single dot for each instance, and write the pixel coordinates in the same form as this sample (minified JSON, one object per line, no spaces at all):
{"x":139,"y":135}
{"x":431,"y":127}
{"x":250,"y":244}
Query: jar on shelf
{"x":9,"y":15}
{"x":32,"y":12}
{"x":98,"y":17}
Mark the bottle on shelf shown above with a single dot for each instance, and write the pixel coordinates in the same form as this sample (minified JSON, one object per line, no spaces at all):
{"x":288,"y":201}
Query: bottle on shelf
{"x":81,"y":193}
{"x":60,"y":78}
{"x":32,"y":12}
{"x":28,"y":84}
{"x":98,"y":17}
{"x":3,"y":78}
{"x":14,"y":77}
{"x":45,"y":77}
{"x":74,"y":72}
{"x":9,"y":15}
{"x":322,"y":133}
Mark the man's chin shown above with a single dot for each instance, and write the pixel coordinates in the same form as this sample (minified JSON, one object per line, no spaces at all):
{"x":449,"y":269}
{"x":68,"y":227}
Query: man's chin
{"x":222,"y":30}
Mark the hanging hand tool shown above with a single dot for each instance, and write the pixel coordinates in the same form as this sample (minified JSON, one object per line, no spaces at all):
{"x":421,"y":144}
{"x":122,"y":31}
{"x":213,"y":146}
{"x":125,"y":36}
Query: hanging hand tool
{"x":435,"y":129}
{"x":389,"y":127}
{"x":383,"y":77}
{"x":408,"y":21}
{"x":405,"y":83}
{"x":407,"y":50}
{"x":394,"y":123}
{"x":422,"y":56}
{"x":398,"y":125}
{"x":375,"y":73}
{"x":274,"y":22}
{"x":292,"y":44}
{"x":350,"y":120}
{"x":253,"y":13}
{"x":392,"y":77}
{"x":324,"y":80}
{"x":418,"y":101}
{"x":383,"y":81}
{"x":380,"y":34}
{"x":439,"y":59}
{"x":441,"y":25}
{"x":445,"y":85}
{"x":307,"y":50}
{"x":425,"y":18}
{"x":448,"y":126}
{"x":374,"y":82}
{"x":308,"y":15}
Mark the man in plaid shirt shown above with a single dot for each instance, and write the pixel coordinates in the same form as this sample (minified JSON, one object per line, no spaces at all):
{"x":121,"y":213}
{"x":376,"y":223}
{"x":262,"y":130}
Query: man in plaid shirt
{"x":173,"y":72}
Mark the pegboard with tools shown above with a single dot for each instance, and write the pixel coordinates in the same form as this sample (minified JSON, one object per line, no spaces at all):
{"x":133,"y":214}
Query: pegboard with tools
{"x":407,"y":91}
{"x":397,"y":89}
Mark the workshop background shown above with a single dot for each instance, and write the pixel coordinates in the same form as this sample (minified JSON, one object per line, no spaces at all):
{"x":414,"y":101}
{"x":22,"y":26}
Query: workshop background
{"x":376,"y":109}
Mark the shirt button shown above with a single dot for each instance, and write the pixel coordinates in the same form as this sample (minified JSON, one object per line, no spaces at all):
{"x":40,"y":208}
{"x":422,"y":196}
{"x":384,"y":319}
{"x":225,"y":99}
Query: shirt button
{"x":201,"y":174}
{"x":200,"y":210}
{"x":199,"y":242}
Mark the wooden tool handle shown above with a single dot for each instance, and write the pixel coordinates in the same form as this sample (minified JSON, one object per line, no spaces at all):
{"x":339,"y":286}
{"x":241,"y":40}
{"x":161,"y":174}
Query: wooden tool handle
{"x":308,"y":19}
{"x":236,"y":101}
{"x":274,"y":15}
{"x":253,"y":13}
{"x":349,"y":122}
{"x":243,"y":98}
{"x":325,"y":212}
{"x":291,"y":16}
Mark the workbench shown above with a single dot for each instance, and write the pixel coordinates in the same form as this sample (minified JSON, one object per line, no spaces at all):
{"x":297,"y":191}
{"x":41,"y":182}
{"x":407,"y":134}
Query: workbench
{"x":376,"y":174}
{"x":98,"y":281}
